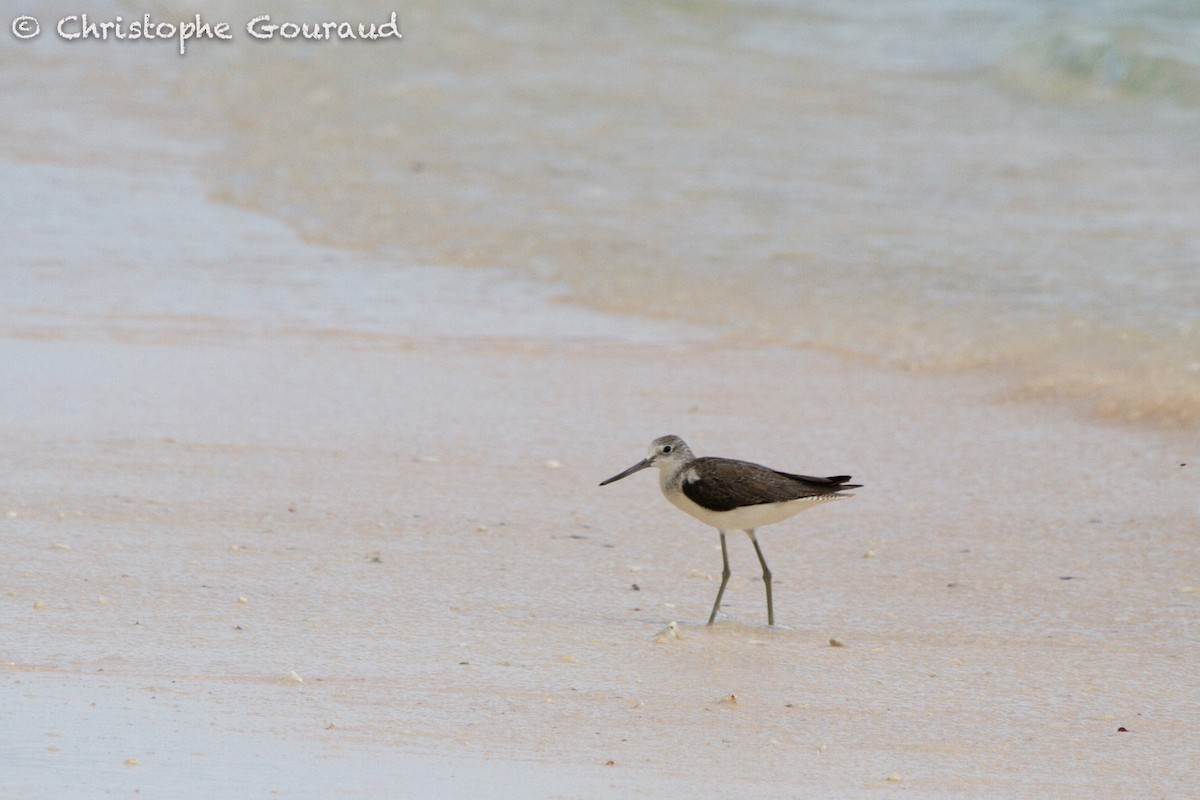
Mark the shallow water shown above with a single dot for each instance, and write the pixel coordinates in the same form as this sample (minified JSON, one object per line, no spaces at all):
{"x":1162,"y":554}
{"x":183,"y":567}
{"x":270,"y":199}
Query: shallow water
{"x":941,"y":184}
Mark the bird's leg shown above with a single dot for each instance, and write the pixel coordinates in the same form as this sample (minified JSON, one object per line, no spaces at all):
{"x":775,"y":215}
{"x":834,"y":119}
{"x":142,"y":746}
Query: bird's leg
{"x":766,"y":577}
{"x":724,"y":578}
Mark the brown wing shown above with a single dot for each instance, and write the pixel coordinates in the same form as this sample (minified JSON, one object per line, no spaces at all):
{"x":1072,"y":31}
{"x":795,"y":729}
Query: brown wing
{"x":725,"y":484}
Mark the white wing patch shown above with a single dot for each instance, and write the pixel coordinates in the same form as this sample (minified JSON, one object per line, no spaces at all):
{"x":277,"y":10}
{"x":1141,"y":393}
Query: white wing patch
{"x":691,"y":476}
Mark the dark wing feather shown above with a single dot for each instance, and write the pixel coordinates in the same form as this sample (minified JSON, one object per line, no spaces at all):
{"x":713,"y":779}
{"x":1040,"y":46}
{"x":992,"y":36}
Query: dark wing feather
{"x":836,"y":483}
{"x":726,"y":484}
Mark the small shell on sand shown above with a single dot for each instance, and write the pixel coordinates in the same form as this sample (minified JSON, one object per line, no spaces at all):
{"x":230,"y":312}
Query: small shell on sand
{"x":894,"y":778}
{"x":552,"y":463}
{"x":869,"y":554}
{"x":667,"y":634}
{"x":836,"y":643}
{"x":729,"y":700}
{"x":131,"y":762}
{"x":60,"y":546}
{"x":294,"y":677}
{"x":242,"y":599}
{"x":695,"y":573}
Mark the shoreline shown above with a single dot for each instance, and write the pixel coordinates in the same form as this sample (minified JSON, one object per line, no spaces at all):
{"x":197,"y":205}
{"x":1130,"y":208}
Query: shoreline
{"x":237,"y":460}
{"x":471,"y":638}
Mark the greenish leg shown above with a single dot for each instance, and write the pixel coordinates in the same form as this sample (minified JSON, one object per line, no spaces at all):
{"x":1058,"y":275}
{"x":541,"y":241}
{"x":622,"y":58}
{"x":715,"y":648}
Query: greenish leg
{"x":766,"y":578}
{"x":724,"y":579}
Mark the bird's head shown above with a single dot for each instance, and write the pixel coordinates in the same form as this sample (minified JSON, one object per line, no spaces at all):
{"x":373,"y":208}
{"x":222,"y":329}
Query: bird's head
{"x":668,"y":453}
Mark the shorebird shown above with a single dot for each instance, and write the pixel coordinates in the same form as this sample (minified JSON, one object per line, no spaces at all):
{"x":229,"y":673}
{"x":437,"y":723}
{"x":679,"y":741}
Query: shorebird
{"x":734,"y":495}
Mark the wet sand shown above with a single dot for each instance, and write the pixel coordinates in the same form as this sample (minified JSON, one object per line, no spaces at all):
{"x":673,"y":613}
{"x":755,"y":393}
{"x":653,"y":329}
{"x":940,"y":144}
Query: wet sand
{"x":265,"y":538}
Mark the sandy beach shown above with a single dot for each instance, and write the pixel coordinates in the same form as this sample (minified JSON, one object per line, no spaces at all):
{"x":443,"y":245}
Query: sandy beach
{"x":283,"y":520}
{"x":323,"y":559}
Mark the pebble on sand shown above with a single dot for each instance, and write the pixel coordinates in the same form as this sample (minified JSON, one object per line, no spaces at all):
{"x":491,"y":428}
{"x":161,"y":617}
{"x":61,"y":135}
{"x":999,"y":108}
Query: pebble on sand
{"x":836,"y":643}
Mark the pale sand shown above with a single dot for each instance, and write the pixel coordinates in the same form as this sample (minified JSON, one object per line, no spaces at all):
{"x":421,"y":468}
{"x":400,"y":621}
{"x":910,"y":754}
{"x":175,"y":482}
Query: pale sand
{"x":214,"y":483}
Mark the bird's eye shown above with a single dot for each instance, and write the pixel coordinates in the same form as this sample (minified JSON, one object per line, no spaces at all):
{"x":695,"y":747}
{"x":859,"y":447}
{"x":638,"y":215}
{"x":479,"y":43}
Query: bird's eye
{"x":666,"y":448}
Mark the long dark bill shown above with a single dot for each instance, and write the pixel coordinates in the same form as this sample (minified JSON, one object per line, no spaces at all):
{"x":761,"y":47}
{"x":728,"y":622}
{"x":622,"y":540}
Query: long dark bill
{"x":645,"y":462}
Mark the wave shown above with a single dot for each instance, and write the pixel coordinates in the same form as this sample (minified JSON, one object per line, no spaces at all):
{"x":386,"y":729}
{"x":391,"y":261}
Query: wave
{"x":797,"y":188}
{"x":1124,"y":62}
